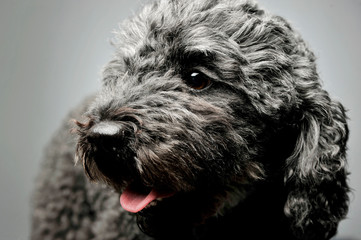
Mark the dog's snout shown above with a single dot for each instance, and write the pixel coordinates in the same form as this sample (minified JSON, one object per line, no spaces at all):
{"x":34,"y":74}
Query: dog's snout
{"x":104,"y":149}
{"x":110,"y":131}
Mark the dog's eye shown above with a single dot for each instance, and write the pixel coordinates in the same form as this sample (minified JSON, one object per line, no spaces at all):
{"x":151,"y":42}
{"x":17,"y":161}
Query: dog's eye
{"x":197,"y":80}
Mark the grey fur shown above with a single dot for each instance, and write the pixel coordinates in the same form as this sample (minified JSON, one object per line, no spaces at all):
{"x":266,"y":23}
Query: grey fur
{"x":258,"y":152}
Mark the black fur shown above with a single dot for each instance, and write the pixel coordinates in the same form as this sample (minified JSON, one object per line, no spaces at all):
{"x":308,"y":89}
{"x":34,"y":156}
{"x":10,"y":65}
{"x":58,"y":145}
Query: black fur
{"x":220,"y":103}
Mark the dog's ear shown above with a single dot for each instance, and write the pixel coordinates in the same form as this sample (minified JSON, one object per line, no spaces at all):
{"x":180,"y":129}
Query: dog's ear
{"x":316,"y":174}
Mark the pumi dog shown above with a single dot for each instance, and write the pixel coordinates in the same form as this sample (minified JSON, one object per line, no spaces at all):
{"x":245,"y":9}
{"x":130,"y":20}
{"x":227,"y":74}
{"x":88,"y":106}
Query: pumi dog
{"x":211,"y":123}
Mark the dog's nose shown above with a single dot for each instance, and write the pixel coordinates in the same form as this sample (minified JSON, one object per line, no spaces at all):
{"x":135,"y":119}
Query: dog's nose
{"x":108,"y":143}
{"x":108,"y":137}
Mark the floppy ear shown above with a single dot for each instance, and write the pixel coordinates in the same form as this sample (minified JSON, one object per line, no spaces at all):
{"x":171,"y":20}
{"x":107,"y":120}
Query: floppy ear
{"x":315,"y":176}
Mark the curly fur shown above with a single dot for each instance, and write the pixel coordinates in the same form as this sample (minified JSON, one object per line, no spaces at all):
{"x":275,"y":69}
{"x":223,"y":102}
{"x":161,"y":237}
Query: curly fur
{"x":259,"y":153}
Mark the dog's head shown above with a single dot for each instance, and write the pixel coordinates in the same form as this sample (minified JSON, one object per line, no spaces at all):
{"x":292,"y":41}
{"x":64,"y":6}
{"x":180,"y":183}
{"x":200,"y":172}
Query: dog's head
{"x":204,"y":99}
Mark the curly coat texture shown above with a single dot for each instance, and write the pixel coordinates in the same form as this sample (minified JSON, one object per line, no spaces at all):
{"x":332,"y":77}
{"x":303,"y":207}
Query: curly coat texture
{"x":251,"y":148}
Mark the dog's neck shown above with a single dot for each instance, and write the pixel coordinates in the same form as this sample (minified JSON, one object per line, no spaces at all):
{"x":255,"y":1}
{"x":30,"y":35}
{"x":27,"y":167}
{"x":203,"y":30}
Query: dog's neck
{"x":260,"y":216}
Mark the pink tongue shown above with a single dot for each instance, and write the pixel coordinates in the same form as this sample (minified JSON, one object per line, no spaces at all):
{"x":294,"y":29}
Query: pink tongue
{"x":135,"y":202}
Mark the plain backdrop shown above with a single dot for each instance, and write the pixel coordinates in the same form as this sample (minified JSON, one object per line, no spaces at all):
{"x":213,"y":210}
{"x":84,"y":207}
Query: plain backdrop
{"x":52,"y":53}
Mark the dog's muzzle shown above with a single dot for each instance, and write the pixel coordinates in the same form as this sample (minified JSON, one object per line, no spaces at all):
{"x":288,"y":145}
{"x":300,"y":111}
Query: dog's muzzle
{"x":108,"y":154}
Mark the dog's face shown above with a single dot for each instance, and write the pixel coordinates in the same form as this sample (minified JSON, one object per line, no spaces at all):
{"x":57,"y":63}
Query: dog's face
{"x":201,"y":100}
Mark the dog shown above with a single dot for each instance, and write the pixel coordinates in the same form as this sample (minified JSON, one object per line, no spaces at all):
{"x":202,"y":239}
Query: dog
{"x":211,"y":123}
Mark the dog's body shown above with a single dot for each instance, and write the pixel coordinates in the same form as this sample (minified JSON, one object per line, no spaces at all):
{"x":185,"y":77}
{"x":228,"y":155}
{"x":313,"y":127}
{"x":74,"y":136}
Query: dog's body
{"x":211,"y":124}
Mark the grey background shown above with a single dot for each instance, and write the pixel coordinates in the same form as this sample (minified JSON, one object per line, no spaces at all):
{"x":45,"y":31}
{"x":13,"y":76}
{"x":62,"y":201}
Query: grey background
{"x":51,"y":56}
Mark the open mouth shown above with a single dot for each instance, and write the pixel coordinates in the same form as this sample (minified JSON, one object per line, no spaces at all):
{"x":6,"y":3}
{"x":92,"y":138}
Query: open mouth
{"x":137,"y":197}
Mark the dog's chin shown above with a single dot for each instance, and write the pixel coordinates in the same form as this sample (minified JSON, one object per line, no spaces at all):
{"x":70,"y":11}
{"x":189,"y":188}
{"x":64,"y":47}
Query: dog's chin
{"x":180,"y":212}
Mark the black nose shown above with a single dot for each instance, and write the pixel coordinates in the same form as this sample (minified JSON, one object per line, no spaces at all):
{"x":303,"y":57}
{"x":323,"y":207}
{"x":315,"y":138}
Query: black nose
{"x":111,"y":150}
{"x":108,"y":138}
